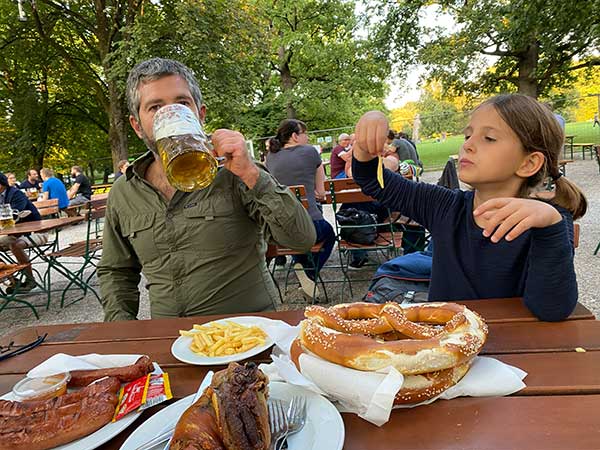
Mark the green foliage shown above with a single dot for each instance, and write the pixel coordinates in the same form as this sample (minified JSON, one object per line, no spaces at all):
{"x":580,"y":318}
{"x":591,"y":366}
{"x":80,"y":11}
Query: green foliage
{"x":534,"y":44}
{"x":439,"y":116}
{"x":318,"y":70}
{"x":63,"y":71}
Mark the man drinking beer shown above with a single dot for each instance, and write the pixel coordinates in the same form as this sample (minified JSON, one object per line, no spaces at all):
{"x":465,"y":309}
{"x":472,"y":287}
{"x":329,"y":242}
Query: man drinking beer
{"x":202,"y":252}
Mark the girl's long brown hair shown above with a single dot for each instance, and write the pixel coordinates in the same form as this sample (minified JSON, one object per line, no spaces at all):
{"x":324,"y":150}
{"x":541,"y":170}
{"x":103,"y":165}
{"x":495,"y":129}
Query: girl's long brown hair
{"x":539,"y":131}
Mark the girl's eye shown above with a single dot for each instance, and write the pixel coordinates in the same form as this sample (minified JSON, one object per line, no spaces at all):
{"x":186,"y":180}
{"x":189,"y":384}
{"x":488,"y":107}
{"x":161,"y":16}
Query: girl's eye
{"x":490,"y":139}
{"x":184,"y":103}
{"x":467,"y":137}
{"x":154,"y":108}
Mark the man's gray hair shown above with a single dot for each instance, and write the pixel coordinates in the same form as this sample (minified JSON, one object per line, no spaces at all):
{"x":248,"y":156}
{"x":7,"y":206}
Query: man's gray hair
{"x":343,"y":136}
{"x":155,"y":69}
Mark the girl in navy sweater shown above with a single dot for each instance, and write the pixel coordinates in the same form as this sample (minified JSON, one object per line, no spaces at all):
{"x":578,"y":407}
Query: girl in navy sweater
{"x":500,"y":239}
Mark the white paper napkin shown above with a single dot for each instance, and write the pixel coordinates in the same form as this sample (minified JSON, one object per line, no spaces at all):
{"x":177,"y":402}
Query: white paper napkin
{"x":61,"y":363}
{"x":371,"y":394}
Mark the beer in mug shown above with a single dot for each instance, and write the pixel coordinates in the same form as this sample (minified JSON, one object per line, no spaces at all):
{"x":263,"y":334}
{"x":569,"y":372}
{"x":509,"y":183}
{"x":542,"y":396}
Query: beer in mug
{"x":6,"y":216}
{"x":184,"y":148}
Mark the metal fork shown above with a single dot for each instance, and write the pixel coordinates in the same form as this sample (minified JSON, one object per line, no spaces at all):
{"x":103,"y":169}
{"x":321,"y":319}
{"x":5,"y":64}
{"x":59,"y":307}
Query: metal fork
{"x":296,"y":418}
{"x":277,"y":422}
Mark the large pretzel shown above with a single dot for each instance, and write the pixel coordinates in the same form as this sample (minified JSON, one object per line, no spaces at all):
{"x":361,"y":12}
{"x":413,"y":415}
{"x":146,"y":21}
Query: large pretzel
{"x":415,"y":388}
{"x":357,"y":335}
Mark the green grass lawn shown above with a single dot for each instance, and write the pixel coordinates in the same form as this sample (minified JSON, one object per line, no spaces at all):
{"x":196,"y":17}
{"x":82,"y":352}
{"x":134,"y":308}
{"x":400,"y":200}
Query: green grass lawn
{"x":435,"y":154}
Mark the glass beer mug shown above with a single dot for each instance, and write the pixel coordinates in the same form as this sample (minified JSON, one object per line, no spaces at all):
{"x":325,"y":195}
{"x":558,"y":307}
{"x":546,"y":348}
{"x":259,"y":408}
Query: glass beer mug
{"x":6,"y":216}
{"x":184,"y":148}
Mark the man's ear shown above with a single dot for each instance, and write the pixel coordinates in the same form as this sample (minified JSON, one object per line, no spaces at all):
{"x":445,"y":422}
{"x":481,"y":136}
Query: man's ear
{"x":136,"y":126}
{"x":531,"y":164}
{"x":202,"y":113}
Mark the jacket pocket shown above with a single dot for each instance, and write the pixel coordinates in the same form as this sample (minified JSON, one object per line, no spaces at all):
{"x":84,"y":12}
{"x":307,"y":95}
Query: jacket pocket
{"x":138,"y":230}
{"x":216,"y":225}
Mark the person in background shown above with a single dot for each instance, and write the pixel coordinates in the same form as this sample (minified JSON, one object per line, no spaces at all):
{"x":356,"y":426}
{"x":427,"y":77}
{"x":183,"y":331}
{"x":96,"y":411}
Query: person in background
{"x":12,"y":180}
{"x":293,"y":162}
{"x":32,"y":180}
{"x":202,"y":252}
{"x":500,"y":239}
{"x":17,"y":244}
{"x":121,"y":168}
{"x":403,"y":150}
{"x":560,"y":119}
{"x":81,"y":190}
{"x":53,"y":188}
{"x":336,"y":160}
{"x":596,"y":121}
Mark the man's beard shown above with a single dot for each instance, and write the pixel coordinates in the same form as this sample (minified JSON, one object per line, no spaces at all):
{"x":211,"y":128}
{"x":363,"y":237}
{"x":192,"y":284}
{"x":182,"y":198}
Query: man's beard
{"x":150,"y":143}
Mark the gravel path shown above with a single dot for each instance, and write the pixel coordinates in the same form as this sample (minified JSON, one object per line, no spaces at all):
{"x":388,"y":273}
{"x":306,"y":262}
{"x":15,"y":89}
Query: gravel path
{"x":585,"y":173}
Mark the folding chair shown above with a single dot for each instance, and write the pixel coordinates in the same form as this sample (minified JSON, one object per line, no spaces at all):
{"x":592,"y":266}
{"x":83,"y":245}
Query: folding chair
{"x":388,"y":241}
{"x":87,"y":250}
{"x":274,"y":250}
{"x":13,"y":272}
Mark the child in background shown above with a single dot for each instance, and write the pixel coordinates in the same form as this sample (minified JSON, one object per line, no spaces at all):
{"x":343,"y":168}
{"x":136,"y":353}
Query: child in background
{"x":497,"y":240}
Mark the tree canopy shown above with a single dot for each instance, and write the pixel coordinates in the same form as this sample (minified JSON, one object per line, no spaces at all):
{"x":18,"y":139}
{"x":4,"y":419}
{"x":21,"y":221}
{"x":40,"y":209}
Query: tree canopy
{"x":534,"y":45}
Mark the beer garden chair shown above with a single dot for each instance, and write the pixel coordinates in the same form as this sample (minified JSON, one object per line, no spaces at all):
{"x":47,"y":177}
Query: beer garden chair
{"x":86,"y":253}
{"x":274,"y":251}
{"x":387,"y":243}
{"x":13,"y":272}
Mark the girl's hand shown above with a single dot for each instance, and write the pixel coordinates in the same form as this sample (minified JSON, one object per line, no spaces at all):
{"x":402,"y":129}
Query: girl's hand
{"x":514,"y":216}
{"x":371,"y":133}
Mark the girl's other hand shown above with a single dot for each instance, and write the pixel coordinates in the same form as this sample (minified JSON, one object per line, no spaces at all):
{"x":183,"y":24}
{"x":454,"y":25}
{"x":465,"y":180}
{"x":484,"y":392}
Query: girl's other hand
{"x":511,"y":217}
{"x":371,"y":133}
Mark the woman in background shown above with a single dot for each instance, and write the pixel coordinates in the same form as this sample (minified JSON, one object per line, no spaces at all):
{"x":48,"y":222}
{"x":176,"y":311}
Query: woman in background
{"x":293,"y":162}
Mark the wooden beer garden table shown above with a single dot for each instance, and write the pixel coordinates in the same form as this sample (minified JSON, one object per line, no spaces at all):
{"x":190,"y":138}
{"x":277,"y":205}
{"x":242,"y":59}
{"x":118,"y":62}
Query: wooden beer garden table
{"x":557,"y":410}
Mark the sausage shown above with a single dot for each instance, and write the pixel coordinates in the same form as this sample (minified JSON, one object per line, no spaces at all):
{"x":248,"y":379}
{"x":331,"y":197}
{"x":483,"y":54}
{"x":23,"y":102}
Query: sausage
{"x":125,"y":374}
{"x":41,"y":425}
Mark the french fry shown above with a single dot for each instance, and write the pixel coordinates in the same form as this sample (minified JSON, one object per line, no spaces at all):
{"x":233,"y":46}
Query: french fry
{"x":380,"y":171}
{"x":224,"y":338}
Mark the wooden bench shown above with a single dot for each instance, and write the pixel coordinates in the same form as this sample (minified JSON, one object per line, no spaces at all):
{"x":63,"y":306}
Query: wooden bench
{"x":584,"y":147}
{"x":47,"y":207}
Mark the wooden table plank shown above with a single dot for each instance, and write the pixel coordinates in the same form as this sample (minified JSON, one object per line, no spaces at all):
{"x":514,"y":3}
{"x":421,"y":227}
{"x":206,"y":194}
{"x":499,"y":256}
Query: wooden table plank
{"x":561,"y":374}
{"x":40,"y":226}
{"x":494,"y":311}
{"x":504,"y":338}
{"x":543,"y":337}
{"x":557,"y":422}
{"x":557,"y":374}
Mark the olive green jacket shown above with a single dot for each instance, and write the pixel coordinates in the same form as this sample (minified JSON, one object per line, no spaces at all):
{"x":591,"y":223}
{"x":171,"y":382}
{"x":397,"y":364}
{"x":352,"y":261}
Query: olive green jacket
{"x":203,"y":252}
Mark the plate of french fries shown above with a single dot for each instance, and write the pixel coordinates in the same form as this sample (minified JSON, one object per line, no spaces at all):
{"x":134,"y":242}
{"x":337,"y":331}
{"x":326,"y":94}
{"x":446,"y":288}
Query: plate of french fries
{"x":222,"y":341}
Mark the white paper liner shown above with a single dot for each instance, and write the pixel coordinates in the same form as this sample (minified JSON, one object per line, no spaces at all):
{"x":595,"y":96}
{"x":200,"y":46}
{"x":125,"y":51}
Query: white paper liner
{"x":371,"y":394}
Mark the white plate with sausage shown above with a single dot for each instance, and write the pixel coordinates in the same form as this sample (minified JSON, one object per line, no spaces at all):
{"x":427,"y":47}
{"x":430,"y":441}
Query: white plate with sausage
{"x":181,"y":347}
{"x":97,"y":438}
{"x":324,"y":428}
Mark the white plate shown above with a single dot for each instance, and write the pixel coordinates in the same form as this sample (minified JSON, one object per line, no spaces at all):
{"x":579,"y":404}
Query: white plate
{"x":181,"y":347}
{"x":324,"y":428}
{"x":97,"y":438}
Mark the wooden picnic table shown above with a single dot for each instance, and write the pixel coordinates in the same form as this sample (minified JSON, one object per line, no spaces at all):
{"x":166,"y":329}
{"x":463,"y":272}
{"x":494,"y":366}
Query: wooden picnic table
{"x":557,"y":410}
{"x":40,"y":226}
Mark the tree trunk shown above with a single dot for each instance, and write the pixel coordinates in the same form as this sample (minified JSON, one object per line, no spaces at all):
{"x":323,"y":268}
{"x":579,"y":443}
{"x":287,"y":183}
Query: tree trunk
{"x":287,"y":82}
{"x":117,"y":131}
{"x":528,"y":60}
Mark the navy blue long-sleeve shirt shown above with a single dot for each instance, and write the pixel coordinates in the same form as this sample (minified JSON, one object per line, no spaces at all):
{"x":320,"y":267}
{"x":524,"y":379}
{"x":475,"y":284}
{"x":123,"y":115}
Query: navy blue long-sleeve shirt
{"x":538,"y":265}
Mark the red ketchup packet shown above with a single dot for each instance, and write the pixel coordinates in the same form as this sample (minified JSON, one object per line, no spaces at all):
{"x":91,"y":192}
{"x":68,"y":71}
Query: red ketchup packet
{"x":158,"y":390}
{"x":131,"y":397}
